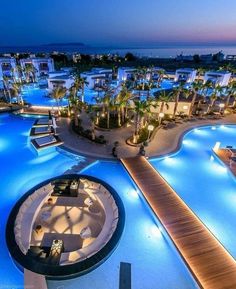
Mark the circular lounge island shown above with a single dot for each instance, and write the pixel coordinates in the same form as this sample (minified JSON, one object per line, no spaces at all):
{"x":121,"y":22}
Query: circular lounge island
{"x":65,"y":227}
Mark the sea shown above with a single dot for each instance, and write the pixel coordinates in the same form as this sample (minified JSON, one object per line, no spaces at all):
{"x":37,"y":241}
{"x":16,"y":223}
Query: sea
{"x":153,"y":52}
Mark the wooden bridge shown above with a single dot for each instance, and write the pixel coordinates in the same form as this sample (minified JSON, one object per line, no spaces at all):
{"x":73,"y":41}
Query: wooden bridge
{"x":211,"y":265}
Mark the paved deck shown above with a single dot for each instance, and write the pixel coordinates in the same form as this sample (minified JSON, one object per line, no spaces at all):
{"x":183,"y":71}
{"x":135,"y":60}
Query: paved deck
{"x":164,"y":141}
{"x":224,"y":155}
{"x":211,"y":265}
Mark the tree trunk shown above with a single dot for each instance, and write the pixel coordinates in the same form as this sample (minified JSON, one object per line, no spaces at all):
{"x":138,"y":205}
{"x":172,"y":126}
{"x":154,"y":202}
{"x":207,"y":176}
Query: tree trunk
{"x":136,"y":124}
{"x":227,"y":100}
{"x":108,"y":119}
{"x":210,"y":106}
{"x":176,"y":105}
{"x":93,"y":131}
{"x":119,"y":116}
{"x":192,"y":104}
{"x":122,"y":115}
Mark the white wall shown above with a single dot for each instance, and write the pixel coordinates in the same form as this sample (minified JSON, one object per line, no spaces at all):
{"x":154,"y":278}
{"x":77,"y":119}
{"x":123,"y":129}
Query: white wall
{"x":222,"y":79}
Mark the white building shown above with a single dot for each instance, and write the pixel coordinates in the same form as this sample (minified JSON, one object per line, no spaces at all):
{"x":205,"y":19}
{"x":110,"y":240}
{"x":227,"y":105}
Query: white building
{"x":8,"y":67}
{"x":186,"y":75}
{"x":125,"y":73}
{"x":220,"y":78}
{"x":97,"y":77}
{"x":42,"y":65}
{"x":59,"y":79}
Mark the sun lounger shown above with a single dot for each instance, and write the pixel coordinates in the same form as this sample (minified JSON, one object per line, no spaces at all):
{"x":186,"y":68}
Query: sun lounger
{"x":41,"y":131}
{"x":46,"y":141}
{"x":43,"y":122}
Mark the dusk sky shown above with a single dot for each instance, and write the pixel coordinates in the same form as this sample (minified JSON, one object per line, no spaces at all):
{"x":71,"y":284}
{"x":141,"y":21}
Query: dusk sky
{"x":117,"y":22}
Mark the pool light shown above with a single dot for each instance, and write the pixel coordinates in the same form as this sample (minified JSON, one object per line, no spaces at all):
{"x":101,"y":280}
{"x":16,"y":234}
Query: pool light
{"x":216,"y":146}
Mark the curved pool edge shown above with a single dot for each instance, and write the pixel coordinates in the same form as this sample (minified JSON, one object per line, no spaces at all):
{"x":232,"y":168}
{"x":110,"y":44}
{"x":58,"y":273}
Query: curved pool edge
{"x":177,"y":147}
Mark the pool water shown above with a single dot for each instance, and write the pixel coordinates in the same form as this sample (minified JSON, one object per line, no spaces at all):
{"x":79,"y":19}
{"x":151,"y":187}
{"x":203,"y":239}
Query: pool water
{"x":154,"y":261}
{"x":39,"y":97}
{"x":203,"y":182}
{"x":21,"y":169}
{"x":151,"y":254}
{"x":36,"y":96}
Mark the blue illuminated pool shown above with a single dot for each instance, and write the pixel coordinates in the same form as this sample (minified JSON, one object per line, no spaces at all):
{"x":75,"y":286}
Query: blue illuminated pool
{"x":39,"y":97}
{"x":203,"y":182}
{"x":21,"y":168}
{"x":194,"y":172}
{"x":143,"y":245}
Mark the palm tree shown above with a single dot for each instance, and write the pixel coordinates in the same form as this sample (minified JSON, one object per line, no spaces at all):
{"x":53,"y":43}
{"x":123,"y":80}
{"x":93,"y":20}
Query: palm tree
{"x":231,"y":91}
{"x":80,"y":84}
{"x":208,"y":85}
{"x":122,"y":101}
{"x":161,"y":74}
{"x":6,"y":88}
{"x":108,"y":104}
{"x":19,"y":72}
{"x":218,"y":89}
{"x":16,"y":89}
{"x":140,"y":77}
{"x":58,"y":93}
{"x":142,"y":109}
{"x":200,"y":72}
{"x":164,"y":98}
{"x":175,"y":95}
{"x":75,"y":105}
{"x":196,"y":86}
{"x":30,"y":72}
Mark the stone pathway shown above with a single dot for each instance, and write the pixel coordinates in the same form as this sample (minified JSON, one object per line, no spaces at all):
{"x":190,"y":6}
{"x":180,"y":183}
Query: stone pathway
{"x":165,"y":141}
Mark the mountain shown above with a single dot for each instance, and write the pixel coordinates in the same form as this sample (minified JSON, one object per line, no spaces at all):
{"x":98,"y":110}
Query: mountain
{"x":66,"y":44}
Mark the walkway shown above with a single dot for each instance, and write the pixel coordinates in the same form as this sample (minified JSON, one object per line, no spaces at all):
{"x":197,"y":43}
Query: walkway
{"x":211,"y":265}
{"x":165,"y":141}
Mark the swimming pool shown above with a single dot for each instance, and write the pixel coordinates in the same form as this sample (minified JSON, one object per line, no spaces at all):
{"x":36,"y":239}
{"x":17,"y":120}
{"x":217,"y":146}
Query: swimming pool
{"x":153,"y":259}
{"x":21,"y":169}
{"x":142,"y":244}
{"x":39,"y":97}
{"x":36,"y":96}
{"x":203,"y":182}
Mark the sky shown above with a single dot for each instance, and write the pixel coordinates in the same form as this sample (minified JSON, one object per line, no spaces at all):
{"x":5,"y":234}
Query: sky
{"x":118,"y":23}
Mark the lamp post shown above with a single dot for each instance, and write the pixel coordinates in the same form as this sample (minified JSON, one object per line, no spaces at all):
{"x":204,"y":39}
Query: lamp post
{"x":150,"y":129}
{"x":161,"y":115}
{"x":97,"y":119}
{"x":221,"y":105}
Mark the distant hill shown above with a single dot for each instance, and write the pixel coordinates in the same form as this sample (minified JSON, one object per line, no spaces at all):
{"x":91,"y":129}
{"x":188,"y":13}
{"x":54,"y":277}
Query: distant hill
{"x":66,"y":44}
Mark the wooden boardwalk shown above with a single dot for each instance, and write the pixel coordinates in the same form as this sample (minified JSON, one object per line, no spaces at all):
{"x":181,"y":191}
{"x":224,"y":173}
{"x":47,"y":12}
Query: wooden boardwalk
{"x":224,"y":155}
{"x":211,"y":265}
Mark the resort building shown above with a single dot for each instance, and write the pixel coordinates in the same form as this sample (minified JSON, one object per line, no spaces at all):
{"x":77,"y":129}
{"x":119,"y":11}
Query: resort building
{"x":125,"y":73}
{"x":231,"y":57}
{"x":8,"y":67}
{"x":220,"y":78}
{"x":97,"y":77}
{"x":42,"y":65}
{"x":59,"y":79}
{"x":185,"y":75}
